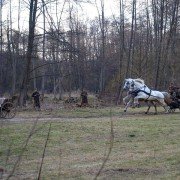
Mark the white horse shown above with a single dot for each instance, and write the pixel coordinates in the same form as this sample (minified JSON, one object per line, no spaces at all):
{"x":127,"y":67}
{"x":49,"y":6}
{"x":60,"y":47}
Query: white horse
{"x":138,"y":91}
{"x":129,"y":99}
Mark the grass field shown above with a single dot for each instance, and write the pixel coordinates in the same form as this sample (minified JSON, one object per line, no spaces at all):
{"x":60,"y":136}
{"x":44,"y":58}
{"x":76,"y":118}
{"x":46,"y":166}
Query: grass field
{"x":144,"y":146}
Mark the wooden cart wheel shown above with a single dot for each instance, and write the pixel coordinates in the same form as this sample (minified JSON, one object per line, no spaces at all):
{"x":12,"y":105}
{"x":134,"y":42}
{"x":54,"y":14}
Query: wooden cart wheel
{"x":8,"y":110}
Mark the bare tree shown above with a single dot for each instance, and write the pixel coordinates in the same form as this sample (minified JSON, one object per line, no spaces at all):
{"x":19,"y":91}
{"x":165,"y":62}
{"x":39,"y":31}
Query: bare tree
{"x":121,"y":49}
{"x":131,"y":41}
{"x":43,"y":55}
{"x":102,"y":48}
{"x":32,"y":23}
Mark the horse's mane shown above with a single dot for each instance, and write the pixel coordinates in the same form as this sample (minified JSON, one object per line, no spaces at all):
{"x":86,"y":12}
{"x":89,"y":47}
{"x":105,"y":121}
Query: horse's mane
{"x":139,"y":80}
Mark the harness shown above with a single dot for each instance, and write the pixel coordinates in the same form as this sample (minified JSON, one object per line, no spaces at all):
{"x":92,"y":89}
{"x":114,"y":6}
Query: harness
{"x":135,"y":92}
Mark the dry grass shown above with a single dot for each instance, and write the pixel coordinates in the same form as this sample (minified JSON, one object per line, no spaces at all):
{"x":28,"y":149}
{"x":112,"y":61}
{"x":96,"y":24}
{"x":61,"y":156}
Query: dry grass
{"x":145,"y":147}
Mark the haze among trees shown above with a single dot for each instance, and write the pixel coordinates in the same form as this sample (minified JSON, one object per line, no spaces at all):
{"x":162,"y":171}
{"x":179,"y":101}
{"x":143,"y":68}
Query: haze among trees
{"x":96,"y":55}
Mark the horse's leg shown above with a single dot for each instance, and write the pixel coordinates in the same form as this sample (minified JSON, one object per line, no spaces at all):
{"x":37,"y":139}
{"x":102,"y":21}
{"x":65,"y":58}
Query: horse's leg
{"x":164,"y":105}
{"x":155,"y":107}
{"x":136,"y":101}
{"x":149,"y":106}
{"x":126,"y":99}
{"x":129,"y":104}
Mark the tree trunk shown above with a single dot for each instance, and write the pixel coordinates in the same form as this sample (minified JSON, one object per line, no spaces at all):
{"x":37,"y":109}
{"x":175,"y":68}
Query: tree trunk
{"x":13,"y":57}
{"x":43,"y":56}
{"x":121,"y":51}
{"x":34,"y":74}
{"x":102,"y":54}
{"x":1,"y":26}
{"x":131,"y":44}
{"x":32,"y":23}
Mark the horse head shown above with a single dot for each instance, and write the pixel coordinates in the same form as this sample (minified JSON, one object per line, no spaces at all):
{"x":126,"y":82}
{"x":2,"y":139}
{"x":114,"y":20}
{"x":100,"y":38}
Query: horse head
{"x":131,"y":83}
{"x":127,"y":83}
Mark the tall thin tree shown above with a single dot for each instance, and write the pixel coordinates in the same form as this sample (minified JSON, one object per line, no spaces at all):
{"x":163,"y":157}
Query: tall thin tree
{"x":32,"y":23}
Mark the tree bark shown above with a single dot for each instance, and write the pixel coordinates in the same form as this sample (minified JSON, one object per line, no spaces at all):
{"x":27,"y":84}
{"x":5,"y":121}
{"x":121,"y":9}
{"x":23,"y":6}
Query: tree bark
{"x":32,"y":23}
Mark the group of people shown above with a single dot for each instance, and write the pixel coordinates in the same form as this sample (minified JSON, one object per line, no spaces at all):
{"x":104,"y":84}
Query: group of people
{"x":36,"y":96}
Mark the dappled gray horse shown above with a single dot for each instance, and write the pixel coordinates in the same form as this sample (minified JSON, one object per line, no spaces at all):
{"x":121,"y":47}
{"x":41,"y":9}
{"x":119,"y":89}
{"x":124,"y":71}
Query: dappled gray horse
{"x":138,"y":91}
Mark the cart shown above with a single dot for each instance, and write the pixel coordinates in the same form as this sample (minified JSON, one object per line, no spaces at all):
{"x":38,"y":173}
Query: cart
{"x":7,"y":108}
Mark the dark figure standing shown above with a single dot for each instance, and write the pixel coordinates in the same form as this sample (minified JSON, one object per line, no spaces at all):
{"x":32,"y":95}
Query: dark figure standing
{"x":36,"y":97}
{"x":84,"y":99}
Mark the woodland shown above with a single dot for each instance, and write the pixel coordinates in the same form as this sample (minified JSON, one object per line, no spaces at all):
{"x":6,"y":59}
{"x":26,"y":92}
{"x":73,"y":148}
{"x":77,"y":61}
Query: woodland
{"x":88,"y":47}
{"x":140,"y":40}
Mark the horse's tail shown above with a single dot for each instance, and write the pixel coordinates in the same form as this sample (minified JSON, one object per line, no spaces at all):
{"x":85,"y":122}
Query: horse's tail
{"x":167,"y":98}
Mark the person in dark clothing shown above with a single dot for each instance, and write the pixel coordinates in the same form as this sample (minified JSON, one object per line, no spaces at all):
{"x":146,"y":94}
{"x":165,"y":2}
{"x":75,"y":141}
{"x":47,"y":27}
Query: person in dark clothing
{"x":174,"y":91}
{"x":36,"y":97}
{"x":84,"y":98}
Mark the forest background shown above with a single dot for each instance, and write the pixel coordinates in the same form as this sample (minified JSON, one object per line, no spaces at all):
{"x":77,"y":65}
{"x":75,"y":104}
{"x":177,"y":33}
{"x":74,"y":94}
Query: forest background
{"x":58,"y":47}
